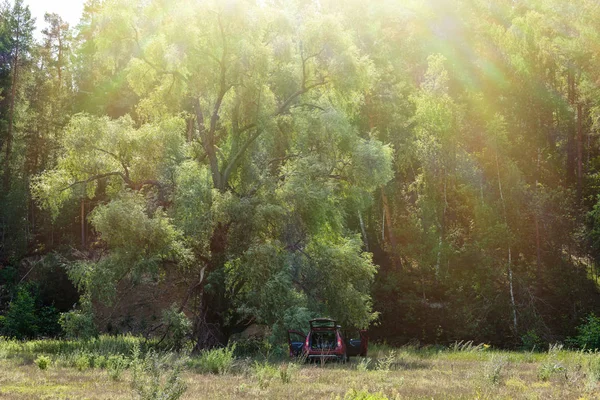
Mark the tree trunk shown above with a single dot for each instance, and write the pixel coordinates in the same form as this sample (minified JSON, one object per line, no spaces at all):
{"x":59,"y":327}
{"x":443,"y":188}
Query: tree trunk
{"x":579,"y":151}
{"x":536,"y":217}
{"x":211,"y":307}
{"x":509,"y":261}
{"x":363,"y":230}
{"x":390,"y":231}
{"x":11,"y":115}
{"x":571,"y":151}
{"x":83,"y":223}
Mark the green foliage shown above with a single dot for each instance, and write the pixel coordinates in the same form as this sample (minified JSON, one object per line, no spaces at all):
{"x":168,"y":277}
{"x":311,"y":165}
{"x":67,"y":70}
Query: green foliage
{"x":43,"y":362}
{"x":124,"y":225}
{"x":115,"y":365}
{"x":79,"y":323}
{"x":157,"y":377}
{"x":354,"y":394}
{"x":269,"y":149}
{"x":588,"y":336}
{"x":593,"y":369}
{"x":83,"y":361}
{"x":215,"y":361}
{"x":265,"y":373}
{"x":494,"y":368}
{"x":551,"y":364}
{"x":20,"y":320}
{"x":532,"y":341}
{"x":548,"y":369}
{"x":386,"y":363}
{"x":179,"y":327}
{"x":287,"y":372}
{"x":69,"y":350}
{"x":364,"y":364}
{"x":467,"y":346}
{"x":100,"y":362}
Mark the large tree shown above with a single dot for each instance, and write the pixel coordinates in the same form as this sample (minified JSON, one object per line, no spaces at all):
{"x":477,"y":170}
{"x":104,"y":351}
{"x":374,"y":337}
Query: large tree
{"x":244,"y":148}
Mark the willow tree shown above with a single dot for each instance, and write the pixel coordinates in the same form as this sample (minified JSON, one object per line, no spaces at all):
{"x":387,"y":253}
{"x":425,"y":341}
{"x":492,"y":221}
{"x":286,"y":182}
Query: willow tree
{"x":243,"y":149}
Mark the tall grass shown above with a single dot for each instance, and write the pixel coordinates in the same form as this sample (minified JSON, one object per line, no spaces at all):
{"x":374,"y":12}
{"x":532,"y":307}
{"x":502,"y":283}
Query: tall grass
{"x":215,"y":361}
{"x":103,"y":345}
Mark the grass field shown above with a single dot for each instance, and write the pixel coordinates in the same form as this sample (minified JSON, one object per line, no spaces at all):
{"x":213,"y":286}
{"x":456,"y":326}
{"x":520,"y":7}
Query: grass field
{"x":461,"y":372}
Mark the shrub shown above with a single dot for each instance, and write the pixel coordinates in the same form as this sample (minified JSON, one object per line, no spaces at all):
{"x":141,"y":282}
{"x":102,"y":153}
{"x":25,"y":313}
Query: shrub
{"x":493,"y":369}
{"x":593,"y":368}
{"x":589,"y":333}
{"x":215,"y":361}
{"x":20,"y":320}
{"x":364,"y":365}
{"x":78,"y":324}
{"x":250,"y":347}
{"x":179,"y":326}
{"x":100,"y":362}
{"x":265,"y":373}
{"x":43,"y":362}
{"x":531,"y":341}
{"x":82,"y":361}
{"x":547,"y":369}
{"x":148,"y":380}
{"x":115,"y":366}
{"x":287,"y":371}
{"x":386,"y":362}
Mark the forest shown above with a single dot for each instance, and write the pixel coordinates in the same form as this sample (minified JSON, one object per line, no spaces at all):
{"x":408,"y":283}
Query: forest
{"x":184,"y":170}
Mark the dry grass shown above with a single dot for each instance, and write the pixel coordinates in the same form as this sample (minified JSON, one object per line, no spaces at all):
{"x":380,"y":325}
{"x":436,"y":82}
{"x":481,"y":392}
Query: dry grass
{"x":414,"y":374}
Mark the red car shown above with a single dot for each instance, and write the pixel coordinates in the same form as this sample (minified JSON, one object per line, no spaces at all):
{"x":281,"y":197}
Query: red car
{"x":325,"y":340}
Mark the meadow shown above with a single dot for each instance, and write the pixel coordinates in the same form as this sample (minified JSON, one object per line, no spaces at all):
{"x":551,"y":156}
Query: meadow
{"x":129,"y":367}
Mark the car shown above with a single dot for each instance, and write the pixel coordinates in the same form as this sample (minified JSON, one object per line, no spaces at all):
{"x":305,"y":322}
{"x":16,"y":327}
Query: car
{"x":326,"y":341}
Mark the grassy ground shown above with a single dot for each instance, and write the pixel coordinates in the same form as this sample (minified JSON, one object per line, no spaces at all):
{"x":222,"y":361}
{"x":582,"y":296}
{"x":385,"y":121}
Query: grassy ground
{"x":460,"y":373}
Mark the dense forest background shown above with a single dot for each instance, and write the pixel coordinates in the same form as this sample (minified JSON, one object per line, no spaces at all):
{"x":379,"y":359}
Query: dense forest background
{"x":425,"y":168}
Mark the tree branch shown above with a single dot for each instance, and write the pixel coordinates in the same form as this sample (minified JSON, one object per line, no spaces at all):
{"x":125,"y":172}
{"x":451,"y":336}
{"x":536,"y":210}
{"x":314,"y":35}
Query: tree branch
{"x":95,"y":178}
{"x":144,"y":59}
{"x":117,"y":158}
{"x":252,"y":138}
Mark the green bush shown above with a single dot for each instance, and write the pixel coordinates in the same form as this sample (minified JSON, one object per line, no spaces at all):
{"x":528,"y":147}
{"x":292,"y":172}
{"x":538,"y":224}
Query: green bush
{"x":27,"y":317}
{"x":287,"y":372}
{"x":82,"y":361}
{"x":549,"y":368}
{"x":250,"y":347}
{"x":148,"y":380}
{"x":364,"y":364}
{"x":179,"y":326}
{"x":588,"y":333}
{"x":385,"y":364}
{"x":215,"y":361}
{"x":20,"y":321}
{"x":100,"y":362}
{"x":532,"y":341}
{"x":78,"y":324}
{"x":593,"y":369}
{"x":494,"y":368}
{"x":115,"y":365}
{"x":265,"y":373}
{"x":43,"y":362}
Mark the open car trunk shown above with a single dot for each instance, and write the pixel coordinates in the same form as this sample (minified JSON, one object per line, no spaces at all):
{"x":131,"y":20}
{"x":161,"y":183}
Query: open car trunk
{"x":323,"y":340}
